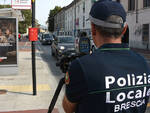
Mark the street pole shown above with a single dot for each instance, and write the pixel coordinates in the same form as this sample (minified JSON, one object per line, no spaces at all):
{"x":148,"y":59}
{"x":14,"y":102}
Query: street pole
{"x":33,"y":51}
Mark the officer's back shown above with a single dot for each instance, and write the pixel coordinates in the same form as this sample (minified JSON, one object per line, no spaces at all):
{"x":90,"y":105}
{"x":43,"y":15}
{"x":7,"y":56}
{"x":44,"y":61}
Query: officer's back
{"x":116,"y":81}
{"x":113,"y":79}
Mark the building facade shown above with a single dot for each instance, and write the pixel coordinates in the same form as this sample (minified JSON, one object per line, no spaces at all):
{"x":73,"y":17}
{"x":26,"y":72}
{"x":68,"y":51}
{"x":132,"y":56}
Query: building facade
{"x":76,"y":17}
{"x":59,"y":20}
{"x":138,"y":14}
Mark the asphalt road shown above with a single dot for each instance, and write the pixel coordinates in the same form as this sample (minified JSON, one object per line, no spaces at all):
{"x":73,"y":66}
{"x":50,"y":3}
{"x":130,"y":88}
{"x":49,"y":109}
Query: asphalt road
{"x":45,"y":51}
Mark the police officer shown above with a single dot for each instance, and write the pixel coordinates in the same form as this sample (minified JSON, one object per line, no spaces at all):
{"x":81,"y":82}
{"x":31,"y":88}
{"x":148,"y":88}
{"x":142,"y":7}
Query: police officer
{"x":113,"y":79}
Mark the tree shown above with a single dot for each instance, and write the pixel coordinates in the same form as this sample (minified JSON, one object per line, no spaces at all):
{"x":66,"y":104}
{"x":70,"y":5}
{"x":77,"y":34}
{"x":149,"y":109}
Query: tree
{"x":5,"y":6}
{"x":52,"y":13}
{"x":23,"y":25}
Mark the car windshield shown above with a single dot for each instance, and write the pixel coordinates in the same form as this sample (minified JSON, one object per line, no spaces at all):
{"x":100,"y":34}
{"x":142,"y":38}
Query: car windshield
{"x":47,"y":36}
{"x":65,"y":40}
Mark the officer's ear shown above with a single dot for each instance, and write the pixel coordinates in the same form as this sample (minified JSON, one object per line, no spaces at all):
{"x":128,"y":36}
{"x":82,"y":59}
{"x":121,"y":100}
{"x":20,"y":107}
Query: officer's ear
{"x":125,"y":29}
{"x":93,"y":29}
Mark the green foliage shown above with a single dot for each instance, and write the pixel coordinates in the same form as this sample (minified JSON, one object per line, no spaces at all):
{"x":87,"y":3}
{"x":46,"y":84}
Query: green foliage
{"x":28,"y":20}
{"x":5,"y":6}
{"x":52,"y":13}
{"x":24,"y":24}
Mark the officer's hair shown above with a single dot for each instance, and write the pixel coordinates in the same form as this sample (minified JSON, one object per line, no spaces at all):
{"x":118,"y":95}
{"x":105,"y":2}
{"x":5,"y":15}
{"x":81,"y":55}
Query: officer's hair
{"x":111,"y":32}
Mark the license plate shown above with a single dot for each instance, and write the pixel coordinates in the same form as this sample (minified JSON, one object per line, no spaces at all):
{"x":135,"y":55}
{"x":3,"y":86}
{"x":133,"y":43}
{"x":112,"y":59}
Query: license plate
{"x":71,"y":49}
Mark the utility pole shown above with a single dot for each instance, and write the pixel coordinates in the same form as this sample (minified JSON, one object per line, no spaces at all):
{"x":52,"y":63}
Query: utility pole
{"x":33,"y":51}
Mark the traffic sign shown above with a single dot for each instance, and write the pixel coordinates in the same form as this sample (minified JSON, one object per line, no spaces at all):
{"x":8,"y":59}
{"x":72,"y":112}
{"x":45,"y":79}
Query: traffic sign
{"x":21,"y":4}
{"x":33,"y":34}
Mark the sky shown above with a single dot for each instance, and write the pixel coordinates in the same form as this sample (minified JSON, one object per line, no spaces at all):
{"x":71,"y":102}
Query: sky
{"x":43,"y":7}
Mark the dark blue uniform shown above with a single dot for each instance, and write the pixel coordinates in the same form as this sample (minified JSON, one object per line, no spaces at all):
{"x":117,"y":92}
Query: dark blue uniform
{"x":113,"y":79}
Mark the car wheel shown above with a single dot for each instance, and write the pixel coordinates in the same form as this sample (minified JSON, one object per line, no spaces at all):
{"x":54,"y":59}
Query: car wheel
{"x":52,"y":53}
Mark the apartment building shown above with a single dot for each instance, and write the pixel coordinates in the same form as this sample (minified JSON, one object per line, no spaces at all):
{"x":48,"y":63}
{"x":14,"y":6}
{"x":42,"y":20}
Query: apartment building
{"x":78,"y":19}
{"x":70,"y":18}
{"x":138,"y":13}
{"x":75,"y":17}
{"x":139,"y":23}
{"x":59,"y":19}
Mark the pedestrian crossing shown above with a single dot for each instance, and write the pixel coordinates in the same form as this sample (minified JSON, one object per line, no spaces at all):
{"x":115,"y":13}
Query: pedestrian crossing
{"x":25,"y":88}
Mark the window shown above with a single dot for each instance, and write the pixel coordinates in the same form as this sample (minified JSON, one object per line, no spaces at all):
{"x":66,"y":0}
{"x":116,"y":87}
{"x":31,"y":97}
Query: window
{"x":146,"y":3}
{"x":78,"y":8}
{"x":83,"y":7}
{"x":145,"y":34}
{"x":131,"y":5}
{"x":118,"y":1}
{"x":83,"y":21}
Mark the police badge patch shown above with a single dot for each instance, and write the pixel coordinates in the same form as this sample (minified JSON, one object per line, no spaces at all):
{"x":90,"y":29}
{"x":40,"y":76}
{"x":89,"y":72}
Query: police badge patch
{"x":67,"y":79}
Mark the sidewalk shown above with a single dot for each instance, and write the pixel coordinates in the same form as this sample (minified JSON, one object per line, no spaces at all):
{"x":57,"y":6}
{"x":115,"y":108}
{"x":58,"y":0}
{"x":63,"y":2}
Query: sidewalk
{"x":18,"y":96}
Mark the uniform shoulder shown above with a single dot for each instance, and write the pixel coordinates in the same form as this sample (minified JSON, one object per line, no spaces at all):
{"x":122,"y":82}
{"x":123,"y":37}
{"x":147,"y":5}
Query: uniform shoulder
{"x":138,"y":56}
{"x":92,"y":55}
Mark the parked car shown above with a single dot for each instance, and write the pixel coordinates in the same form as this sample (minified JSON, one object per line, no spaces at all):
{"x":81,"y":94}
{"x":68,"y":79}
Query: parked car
{"x":47,"y":39}
{"x":40,"y":36}
{"x":61,"y":45}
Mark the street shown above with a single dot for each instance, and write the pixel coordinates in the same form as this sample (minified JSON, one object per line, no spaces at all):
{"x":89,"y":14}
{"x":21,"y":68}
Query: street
{"x":16,"y":90}
{"x":29,"y":76}
{"x":45,"y":51}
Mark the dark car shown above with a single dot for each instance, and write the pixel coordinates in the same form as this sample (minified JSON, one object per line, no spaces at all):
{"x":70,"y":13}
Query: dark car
{"x":47,"y":39}
{"x":61,"y":45}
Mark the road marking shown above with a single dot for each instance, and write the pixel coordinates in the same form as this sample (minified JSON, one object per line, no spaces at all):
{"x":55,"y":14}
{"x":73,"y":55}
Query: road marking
{"x":148,"y":105}
{"x":26,"y":88}
{"x":33,"y":111}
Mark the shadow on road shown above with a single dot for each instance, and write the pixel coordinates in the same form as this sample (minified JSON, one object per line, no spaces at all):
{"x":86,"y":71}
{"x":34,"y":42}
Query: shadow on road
{"x":45,"y":54}
{"x":20,"y":93}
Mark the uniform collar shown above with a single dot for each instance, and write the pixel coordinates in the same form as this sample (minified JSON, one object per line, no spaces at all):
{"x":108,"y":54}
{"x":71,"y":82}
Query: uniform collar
{"x":114,"y":46}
